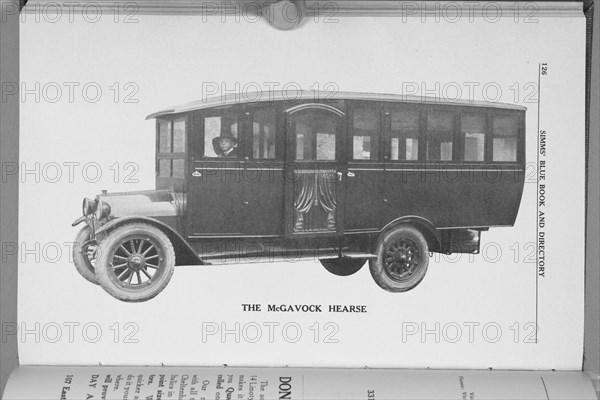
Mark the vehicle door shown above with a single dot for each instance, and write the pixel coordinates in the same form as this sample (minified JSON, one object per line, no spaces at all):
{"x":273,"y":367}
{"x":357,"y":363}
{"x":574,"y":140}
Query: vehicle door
{"x":364,"y":178}
{"x":214,"y":202}
{"x":315,"y":170}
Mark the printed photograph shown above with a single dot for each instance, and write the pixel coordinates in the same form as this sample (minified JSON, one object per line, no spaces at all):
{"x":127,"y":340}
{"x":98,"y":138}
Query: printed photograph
{"x":404,"y":191}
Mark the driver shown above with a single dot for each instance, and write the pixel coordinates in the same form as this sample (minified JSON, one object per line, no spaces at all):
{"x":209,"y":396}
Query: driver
{"x":225,"y":145}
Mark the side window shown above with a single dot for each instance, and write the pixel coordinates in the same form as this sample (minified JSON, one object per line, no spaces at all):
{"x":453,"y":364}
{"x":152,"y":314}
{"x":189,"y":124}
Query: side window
{"x":440,"y":135}
{"x":472,"y":129}
{"x":171,"y":148}
{"x":504,"y":132}
{"x":263,"y":134}
{"x":179,"y":135}
{"x":164,"y":136}
{"x":405,"y":135}
{"x":315,"y":136}
{"x":221,"y":136}
{"x":178,"y":168}
{"x":365,"y":129}
{"x":164,"y":167}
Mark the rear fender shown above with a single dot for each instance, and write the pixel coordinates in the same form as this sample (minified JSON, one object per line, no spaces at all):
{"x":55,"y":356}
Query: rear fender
{"x":432,"y":235}
{"x":184,"y":253}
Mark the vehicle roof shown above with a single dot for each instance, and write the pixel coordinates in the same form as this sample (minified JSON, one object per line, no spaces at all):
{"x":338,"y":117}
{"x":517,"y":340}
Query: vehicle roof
{"x":279,"y":95}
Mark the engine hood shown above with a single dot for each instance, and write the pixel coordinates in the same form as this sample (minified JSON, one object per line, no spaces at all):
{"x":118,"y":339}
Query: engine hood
{"x":150,"y":203}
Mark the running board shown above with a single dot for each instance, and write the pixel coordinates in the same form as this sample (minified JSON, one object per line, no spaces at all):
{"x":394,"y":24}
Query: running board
{"x":220,"y":260}
{"x":368,"y":256}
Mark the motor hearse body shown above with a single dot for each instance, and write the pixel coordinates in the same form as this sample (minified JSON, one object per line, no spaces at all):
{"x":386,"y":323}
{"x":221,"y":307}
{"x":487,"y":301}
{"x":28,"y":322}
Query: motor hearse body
{"x":356,"y":177}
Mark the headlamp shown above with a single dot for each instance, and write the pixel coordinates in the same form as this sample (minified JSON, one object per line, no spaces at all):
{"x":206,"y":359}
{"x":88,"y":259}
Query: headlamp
{"x":89,"y":206}
{"x":102,"y":209}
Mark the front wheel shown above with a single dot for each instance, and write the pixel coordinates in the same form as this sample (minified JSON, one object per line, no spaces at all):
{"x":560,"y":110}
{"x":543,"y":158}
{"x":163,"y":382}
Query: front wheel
{"x":136,"y":262}
{"x":402,"y":259}
{"x":342,"y":266}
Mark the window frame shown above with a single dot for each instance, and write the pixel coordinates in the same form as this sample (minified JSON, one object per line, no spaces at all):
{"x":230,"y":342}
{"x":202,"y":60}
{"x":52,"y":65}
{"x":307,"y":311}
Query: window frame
{"x":380,"y":106}
{"x":519,"y":136}
{"x":423,"y":150}
{"x":162,"y":180}
{"x":248,"y":131}
{"x":218,"y":112}
{"x":399,"y":106}
{"x":459,"y":139}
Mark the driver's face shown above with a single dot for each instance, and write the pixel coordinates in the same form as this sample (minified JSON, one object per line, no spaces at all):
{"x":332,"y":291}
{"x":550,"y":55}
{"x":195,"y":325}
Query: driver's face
{"x":225,"y":144}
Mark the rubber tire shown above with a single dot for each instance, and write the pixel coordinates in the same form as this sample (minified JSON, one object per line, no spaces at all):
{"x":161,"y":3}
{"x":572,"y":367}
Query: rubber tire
{"x":107,"y":248}
{"x":376,"y":266}
{"x":343,"y":267}
{"x":80,"y":258}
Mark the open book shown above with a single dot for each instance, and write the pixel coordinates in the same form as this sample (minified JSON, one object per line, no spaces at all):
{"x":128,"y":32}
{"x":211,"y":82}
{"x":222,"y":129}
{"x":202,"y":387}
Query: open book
{"x":367,"y":193}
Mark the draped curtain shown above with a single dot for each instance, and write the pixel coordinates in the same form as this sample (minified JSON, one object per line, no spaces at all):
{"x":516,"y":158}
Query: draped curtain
{"x":315,"y":188}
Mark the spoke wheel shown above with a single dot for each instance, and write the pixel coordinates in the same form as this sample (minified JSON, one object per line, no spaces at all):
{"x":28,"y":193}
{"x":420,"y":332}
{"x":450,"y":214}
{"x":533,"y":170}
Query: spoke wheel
{"x":343,"y":266}
{"x":136,"y":263}
{"x":402,"y":259}
{"x":85,"y":255}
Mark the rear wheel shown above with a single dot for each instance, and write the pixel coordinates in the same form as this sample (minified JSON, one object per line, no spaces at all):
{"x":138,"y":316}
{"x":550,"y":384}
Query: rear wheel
{"x":343,"y":266}
{"x":85,"y":254}
{"x":402,"y":259}
{"x":136,"y":262}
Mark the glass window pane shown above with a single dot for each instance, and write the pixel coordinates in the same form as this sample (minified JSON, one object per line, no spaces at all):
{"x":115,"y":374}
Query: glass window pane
{"x":164,"y":137}
{"x":474,"y":146}
{"x":164,"y":168}
{"x":472,"y":123}
{"x":405,"y":120}
{"x":405,"y":135}
{"x":361,"y":148}
{"x":178,"y":168}
{"x":220,"y":136}
{"x":365,"y":144}
{"x":440,"y":135}
{"x":505,"y":125}
{"x":325,"y":146}
{"x":439,"y":147}
{"x":395,"y":148}
{"x":505,"y":149}
{"x":263,"y":134}
{"x":315,"y":136}
{"x":446,"y":151}
{"x":212,"y":130}
{"x":299,"y":146}
{"x":412,"y":149}
{"x":179,"y":136}
{"x":472,"y":127}
{"x":440,"y":121}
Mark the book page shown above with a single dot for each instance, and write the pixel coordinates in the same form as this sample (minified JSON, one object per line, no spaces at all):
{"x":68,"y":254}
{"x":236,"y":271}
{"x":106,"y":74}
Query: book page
{"x":445,"y":156}
{"x":120,"y":383}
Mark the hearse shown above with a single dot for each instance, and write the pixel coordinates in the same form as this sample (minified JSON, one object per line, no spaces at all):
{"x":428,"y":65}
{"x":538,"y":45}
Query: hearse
{"x":356,"y":177}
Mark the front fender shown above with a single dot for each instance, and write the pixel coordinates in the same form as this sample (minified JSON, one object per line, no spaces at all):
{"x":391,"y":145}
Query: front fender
{"x":184,"y":253}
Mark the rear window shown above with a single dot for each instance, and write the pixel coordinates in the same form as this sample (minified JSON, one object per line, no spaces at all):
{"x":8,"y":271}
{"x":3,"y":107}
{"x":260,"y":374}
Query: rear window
{"x":504,"y":133}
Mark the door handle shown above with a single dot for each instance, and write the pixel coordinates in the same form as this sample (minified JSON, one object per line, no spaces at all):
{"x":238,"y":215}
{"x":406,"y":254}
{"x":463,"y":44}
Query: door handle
{"x":196,"y":174}
{"x":351,"y":174}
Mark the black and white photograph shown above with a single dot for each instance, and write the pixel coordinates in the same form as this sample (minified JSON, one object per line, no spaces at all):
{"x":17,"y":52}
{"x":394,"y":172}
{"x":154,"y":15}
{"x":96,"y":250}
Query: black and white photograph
{"x":387,"y":191}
